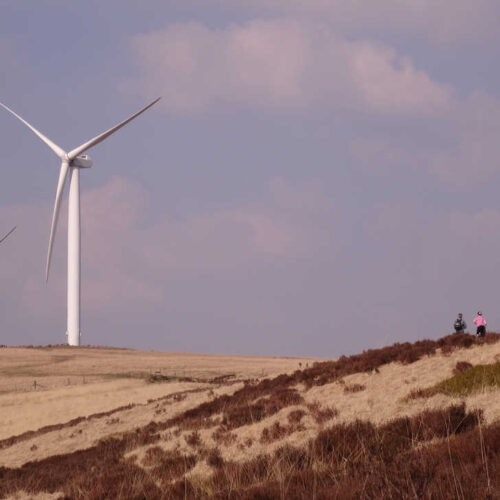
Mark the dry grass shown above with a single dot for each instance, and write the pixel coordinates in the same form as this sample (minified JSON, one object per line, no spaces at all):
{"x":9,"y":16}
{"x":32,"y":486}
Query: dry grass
{"x":72,"y":383}
{"x":85,"y":432}
{"x":53,"y":366}
{"x":55,"y":406}
{"x":24,"y":495}
{"x":467,"y":379}
{"x":338,"y":429}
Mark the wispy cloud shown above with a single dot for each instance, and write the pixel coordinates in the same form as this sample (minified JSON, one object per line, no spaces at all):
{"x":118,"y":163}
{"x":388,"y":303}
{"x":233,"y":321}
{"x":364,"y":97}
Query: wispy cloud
{"x":464,"y":152}
{"x":440,"y":21}
{"x":281,"y":64}
{"x":473,"y":155}
{"x":125,"y":258}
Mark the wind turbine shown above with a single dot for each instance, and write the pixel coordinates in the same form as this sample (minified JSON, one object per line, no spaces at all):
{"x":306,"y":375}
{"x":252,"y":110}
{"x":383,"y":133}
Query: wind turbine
{"x":72,"y":162}
{"x":8,"y":234}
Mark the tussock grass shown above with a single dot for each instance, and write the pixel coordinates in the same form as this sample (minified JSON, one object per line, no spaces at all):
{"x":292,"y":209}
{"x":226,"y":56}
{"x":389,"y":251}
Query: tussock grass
{"x":468,"y":381}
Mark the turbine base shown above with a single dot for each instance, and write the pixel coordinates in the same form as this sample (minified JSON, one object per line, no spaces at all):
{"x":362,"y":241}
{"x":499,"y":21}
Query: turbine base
{"x":72,"y":341}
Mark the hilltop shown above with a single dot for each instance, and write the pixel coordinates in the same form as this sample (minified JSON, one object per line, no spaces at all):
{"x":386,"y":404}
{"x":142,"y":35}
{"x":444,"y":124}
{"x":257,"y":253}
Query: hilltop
{"x":405,"y":421}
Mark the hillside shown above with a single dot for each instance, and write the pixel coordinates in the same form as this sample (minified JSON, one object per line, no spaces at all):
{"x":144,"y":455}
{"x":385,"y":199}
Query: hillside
{"x":415,"y":420}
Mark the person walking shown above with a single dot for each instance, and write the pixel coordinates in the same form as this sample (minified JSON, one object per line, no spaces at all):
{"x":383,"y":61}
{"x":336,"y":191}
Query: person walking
{"x":459,"y":324}
{"x":480,"y":323}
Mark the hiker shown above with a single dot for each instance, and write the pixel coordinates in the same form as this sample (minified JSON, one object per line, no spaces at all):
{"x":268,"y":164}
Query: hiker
{"x":480,"y":323}
{"x":459,"y":324}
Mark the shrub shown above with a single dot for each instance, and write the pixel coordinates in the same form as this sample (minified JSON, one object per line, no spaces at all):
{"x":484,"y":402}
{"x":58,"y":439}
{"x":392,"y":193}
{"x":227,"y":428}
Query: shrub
{"x":223,"y":436}
{"x":461,"y":366}
{"x":295,"y":416}
{"x":274,"y":432}
{"x":354,"y":388}
{"x":173,"y":465}
{"x":193,"y":439}
{"x":153,"y":456}
{"x":321,"y":415}
{"x":215,"y":459}
{"x":237,"y":415}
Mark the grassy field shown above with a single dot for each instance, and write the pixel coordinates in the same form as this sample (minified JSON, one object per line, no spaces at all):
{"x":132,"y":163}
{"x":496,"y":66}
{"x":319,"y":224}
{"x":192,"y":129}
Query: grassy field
{"x":132,"y":424}
{"x":51,"y":385}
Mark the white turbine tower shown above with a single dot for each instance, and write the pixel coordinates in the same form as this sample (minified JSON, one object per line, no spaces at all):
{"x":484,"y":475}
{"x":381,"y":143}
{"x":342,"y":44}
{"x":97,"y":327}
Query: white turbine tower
{"x":72,"y":162}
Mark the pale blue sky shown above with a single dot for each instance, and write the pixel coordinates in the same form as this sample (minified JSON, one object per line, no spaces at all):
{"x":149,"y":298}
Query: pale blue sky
{"x":320,"y":177}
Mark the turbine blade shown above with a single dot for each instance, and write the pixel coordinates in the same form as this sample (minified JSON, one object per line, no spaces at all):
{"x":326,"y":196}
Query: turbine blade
{"x":11,"y":231}
{"x":96,"y":140}
{"x":57,"y":150}
{"x":60,"y":187}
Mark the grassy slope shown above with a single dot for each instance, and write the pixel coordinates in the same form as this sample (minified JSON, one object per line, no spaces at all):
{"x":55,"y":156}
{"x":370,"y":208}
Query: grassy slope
{"x":467,"y":380}
{"x":72,"y":383}
{"x":284,"y":437}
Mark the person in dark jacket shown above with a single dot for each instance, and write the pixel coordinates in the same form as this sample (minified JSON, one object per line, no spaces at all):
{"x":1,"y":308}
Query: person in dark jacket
{"x":459,"y":324}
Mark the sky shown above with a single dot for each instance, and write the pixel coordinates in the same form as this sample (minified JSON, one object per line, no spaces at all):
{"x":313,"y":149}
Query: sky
{"x":320,"y":177}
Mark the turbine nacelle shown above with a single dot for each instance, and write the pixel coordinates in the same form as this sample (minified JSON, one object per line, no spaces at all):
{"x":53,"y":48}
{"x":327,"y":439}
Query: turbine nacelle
{"x":82,"y":161}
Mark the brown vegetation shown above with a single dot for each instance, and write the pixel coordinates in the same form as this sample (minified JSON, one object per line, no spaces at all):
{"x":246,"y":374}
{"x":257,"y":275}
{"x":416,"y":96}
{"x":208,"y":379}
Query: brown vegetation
{"x":352,"y":388}
{"x":279,"y":431}
{"x":445,"y":453}
{"x":461,"y":366}
{"x":319,"y":414}
{"x":256,"y":401}
{"x":356,"y":460}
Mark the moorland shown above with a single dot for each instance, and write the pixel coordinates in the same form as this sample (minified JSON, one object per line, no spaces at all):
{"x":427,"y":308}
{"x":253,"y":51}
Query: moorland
{"x":411,"y":420}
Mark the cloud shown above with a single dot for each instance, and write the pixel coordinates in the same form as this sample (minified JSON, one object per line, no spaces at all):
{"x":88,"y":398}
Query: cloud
{"x":442,"y":21}
{"x":381,"y":155}
{"x":392,"y":84}
{"x":275,"y":228}
{"x":280,"y":64}
{"x":127,"y":262}
{"x":459,"y":148}
{"x":472,"y":157}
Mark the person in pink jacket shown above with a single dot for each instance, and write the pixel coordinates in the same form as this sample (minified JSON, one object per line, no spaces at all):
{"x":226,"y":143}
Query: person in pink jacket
{"x":480,"y":323}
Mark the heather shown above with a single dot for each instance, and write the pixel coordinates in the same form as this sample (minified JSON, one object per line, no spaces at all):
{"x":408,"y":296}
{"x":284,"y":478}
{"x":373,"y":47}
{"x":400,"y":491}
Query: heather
{"x":357,"y":460}
{"x":286,"y":436}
